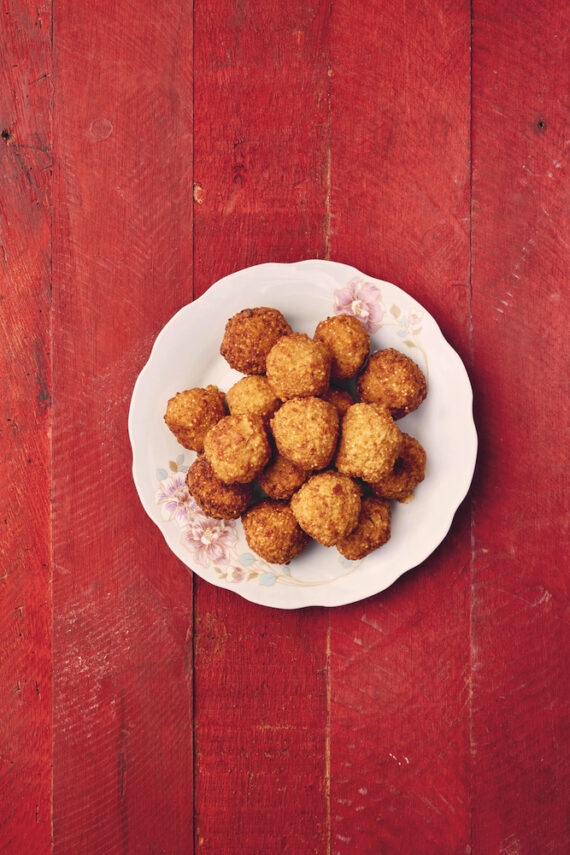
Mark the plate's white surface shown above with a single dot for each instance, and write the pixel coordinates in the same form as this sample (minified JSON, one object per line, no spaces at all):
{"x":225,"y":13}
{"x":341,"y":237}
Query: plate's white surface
{"x":186,"y":354}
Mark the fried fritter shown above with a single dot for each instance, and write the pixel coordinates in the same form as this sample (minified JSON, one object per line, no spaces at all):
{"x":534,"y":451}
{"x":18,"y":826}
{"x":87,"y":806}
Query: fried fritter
{"x":393,"y":379}
{"x":408,"y":472}
{"x":306,"y":431}
{"x":370,"y":441}
{"x":272,"y":532}
{"x":298,"y":367}
{"x":281,"y":478}
{"x":191,"y":414}
{"x":252,"y":396}
{"x":249,"y":336}
{"x":341,"y":399}
{"x":348,"y":341}
{"x":327,"y":506}
{"x":372,"y":530}
{"x":237,"y":448}
{"x":218,"y":500}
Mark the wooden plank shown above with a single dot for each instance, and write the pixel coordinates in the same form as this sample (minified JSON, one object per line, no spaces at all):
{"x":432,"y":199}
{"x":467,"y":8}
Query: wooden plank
{"x":25,"y":572}
{"x":123,"y":763}
{"x":261,"y":125}
{"x":399,"y":662}
{"x":520,"y":263}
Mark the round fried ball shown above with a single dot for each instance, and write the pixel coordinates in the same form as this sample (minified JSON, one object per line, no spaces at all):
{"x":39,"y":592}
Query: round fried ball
{"x":393,"y":379}
{"x":298,"y":367}
{"x":281,"y":478}
{"x":250,"y":335}
{"x":237,"y":448}
{"x":327,"y":506}
{"x":408,"y":472}
{"x":306,"y":431}
{"x":252,"y":396}
{"x":372,"y":529}
{"x":341,"y":399}
{"x":272,"y":532}
{"x":191,"y":414}
{"x":370,"y":441}
{"x":218,"y":500}
{"x":348,"y":341}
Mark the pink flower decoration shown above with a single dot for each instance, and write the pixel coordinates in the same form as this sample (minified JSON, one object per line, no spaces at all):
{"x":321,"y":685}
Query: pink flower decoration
{"x":210,"y":540}
{"x":174,"y":496}
{"x":361,"y":299}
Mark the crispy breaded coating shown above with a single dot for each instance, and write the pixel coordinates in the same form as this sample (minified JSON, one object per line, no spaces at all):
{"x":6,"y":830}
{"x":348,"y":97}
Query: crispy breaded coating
{"x":191,"y":414}
{"x":349,"y":342}
{"x":341,"y":399}
{"x":281,"y":478}
{"x":272,"y":532}
{"x":252,"y":396}
{"x":393,"y":379}
{"x":218,"y":500}
{"x":327,"y":506}
{"x":249,"y":336}
{"x":370,"y":441}
{"x":298,"y":367}
{"x":306,"y":431}
{"x":409,"y":470}
{"x":372,"y":530}
{"x":237,"y":448}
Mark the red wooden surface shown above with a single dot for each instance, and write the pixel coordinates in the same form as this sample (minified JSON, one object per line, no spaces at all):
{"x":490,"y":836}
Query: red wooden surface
{"x":422,"y":143}
{"x":25,"y":588}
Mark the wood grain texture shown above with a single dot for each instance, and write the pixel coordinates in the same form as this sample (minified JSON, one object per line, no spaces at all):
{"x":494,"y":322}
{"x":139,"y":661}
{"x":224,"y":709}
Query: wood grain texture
{"x":123,"y":764}
{"x":260,"y":151}
{"x":520,"y":266}
{"x":399,"y":662}
{"x":25,"y":578}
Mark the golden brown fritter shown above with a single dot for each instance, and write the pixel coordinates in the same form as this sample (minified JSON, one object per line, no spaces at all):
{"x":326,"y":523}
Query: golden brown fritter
{"x":306,"y":431}
{"x":348,"y":341}
{"x":298,"y":367}
{"x":393,"y":379}
{"x":370,"y":441}
{"x":191,"y":414}
{"x":218,"y":500}
{"x":252,"y":396}
{"x":408,"y":472}
{"x":341,"y":399}
{"x":281,"y":478}
{"x":237,"y":448}
{"x":250,"y":335}
{"x":327,"y":506}
{"x":272,"y":532}
{"x":372,"y":529}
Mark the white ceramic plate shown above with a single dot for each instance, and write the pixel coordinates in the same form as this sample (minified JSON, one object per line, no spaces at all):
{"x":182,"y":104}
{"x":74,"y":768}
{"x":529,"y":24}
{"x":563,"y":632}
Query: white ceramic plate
{"x":186,"y":354}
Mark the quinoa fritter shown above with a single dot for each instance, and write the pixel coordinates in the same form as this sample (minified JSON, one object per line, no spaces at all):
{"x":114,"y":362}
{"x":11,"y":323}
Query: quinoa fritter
{"x":249,"y":336}
{"x":408,"y":472}
{"x":306,"y":431}
{"x":191,"y":414}
{"x":237,"y":448}
{"x":370,"y":442}
{"x":327,"y":507}
{"x":393,"y":379}
{"x":298,"y":367}
{"x":348,"y":341}
{"x":341,"y":399}
{"x":253,"y":396}
{"x":218,"y":500}
{"x":281,"y":478}
{"x":372,"y":530}
{"x":272,"y":532}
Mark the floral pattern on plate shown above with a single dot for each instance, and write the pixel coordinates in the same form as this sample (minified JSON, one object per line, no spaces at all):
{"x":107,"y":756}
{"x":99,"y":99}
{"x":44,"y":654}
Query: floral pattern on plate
{"x":214,"y":544}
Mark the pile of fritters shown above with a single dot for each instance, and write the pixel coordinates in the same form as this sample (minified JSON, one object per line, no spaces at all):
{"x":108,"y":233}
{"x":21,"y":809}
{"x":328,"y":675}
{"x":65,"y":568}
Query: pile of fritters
{"x":324,"y":464}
